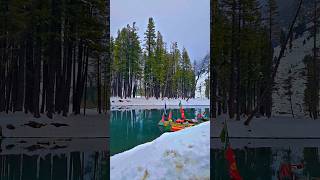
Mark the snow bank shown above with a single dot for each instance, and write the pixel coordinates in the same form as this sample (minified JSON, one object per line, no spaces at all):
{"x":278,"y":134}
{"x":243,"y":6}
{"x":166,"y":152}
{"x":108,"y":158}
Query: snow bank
{"x":180,"y":155}
{"x":153,"y":103}
{"x":275,"y":127}
{"x":20,"y":124}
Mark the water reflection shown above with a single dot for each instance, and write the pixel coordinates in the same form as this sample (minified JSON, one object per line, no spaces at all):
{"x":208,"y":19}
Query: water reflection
{"x":130,"y":128}
{"x":54,"y":159}
{"x":263,"y":159}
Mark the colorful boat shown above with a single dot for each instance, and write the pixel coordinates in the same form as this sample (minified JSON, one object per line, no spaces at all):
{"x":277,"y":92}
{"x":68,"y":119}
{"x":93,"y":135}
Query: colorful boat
{"x":204,"y":119}
{"x":180,"y":121}
{"x":180,"y":126}
{"x":164,"y":123}
{"x":177,"y":128}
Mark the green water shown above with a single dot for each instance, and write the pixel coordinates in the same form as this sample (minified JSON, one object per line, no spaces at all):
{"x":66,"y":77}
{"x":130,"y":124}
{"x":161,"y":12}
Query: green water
{"x":130,"y":128}
{"x":263,"y":163}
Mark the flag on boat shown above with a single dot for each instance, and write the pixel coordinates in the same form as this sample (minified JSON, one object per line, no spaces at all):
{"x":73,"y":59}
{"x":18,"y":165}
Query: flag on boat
{"x":165,"y":109}
{"x":170,"y":115}
{"x":181,"y":111}
{"x":233,"y":169}
{"x":223,"y":133}
{"x":229,"y":154}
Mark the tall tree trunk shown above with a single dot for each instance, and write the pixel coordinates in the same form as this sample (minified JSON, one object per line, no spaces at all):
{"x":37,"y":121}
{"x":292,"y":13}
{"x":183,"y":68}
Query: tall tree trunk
{"x":315,"y":90}
{"x":238,"y":64}
{"x":213,"y":74}
{"x":99,"y":85}
{"x":232,"y":66}
{"x":37,"y":75}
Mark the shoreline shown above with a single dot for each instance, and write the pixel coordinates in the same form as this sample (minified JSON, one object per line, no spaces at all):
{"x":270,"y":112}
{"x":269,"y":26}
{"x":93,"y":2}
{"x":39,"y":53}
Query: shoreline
{"x":181,"y":154}
{"x":277,"y":127}
{"x":259,"y":143}
{"x":19,"y":124}
{"x":153,"y":103}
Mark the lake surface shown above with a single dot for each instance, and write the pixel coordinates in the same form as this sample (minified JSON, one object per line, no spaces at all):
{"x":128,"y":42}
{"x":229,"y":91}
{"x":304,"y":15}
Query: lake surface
{"x":54,"y":159}
{"x":133,"y":127}
{"x":261,"y":159}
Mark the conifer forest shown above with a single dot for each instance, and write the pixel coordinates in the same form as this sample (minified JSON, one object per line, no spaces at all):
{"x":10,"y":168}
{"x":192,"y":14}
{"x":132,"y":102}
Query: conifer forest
{"x":261,"y":63}
{"x":150,"y":67}
{"x":54,"y":56}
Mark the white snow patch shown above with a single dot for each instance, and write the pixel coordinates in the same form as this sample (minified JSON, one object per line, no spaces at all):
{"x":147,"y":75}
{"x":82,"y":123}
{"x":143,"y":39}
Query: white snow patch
{"x":180,"y":155}
{"x":293,"y":61}
{"x":275,"y":127}
{"x":201,"y":86}
{"x":91,"y":125}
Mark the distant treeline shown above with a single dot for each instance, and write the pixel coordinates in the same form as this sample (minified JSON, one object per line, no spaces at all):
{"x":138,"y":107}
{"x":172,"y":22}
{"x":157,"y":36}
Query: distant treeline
{"x":49,"y":50}
{"x":151,"y":70}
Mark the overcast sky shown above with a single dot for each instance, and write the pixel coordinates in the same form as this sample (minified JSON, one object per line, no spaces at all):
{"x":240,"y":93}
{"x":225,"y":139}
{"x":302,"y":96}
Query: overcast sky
{"x":184,"y":21}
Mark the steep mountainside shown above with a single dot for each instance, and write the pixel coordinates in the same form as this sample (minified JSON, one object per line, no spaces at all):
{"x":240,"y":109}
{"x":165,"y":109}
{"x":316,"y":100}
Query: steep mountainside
{"x":292,"y":67}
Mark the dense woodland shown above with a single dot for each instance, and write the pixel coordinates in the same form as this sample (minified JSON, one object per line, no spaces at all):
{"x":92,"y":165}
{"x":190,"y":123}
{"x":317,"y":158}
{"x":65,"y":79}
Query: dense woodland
{"x":313,"y":67}
{"x":243,"y":65}
{"x":52,"y":53}
{"x":149,"y":68}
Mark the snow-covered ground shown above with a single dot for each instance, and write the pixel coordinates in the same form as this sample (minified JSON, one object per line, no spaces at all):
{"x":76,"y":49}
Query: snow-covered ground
{"x":201,"y":86}
{"x":153,"y":103}
{"x":292,"y":65}
{"x":180,"y":155}
{"x":20,"y":124}
{"x":275,"y":127}
{"x":44,"y":146}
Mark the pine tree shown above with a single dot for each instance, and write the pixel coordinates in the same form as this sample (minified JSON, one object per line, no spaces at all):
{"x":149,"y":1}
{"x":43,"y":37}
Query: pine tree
{"x":150,"y":43}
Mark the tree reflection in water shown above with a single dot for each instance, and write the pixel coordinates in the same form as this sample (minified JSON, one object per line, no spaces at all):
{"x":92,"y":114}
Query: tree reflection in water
{"x":27,"y":160}
{"x":263,"y":163}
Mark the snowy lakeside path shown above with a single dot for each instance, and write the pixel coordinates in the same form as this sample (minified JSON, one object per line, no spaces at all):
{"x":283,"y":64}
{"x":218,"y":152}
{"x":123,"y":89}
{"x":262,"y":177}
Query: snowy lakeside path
{"x":20,"y":124}
{"x":273,"y":128}
{"x":153,"y":103}
{"x":180,"y":155}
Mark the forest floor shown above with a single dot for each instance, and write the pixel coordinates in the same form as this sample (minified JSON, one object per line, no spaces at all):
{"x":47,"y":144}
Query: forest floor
{"x":19,"y":124}
{"x":153,"y":103}
{"x":180,"y":155}
{"x":263,"y":128}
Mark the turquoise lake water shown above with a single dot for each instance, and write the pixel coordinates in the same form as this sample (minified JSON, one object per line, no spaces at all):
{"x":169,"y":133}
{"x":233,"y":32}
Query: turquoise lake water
{"x":130,"y":128}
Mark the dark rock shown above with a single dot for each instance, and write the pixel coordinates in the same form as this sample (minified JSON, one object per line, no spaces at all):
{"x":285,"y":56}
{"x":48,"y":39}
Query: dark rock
{"x":34,"y":124}
{"x":10,"y":146}
{"x":58,"y":147}
{"x":34,"y":147}
{"x":59,"y":124}
{"x":44,"y":143}
{"x":10,"y":126}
